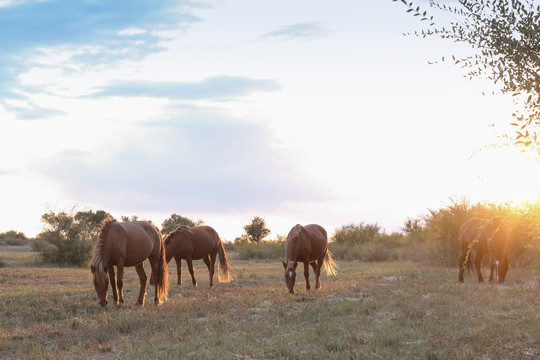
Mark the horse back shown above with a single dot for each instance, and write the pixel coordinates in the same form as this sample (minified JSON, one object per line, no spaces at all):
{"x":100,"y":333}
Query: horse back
{"x":133,"y":241}
{"x":317,"y":237}
{"x":202,"y":241}
{"x":471,"y":233}
{"x":499,"y":242}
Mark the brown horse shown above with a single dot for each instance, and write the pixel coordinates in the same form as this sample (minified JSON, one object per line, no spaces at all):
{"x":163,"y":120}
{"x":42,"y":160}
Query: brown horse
{"x":484,"y":237}
{"x":195,"y":243}
{"x":307,"y":244}
{"x":123,"y":245}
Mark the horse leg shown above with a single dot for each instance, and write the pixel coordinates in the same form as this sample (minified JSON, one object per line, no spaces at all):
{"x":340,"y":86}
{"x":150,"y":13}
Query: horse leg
{"x":306,"y":274}
{"x":491,"y":268}
{"x":462,"y":265}
{"x":317,"y":269}
{"x":142,"y":280}
{"x":213,"y":257}
{"x":208,"y":263}
{"x":314,"y":266}
{"x":477,"y":264}
{"x":178,"y":261}
{"x":190,"y":267}
{"x":112,"y":278}
{"x":120,"y":280}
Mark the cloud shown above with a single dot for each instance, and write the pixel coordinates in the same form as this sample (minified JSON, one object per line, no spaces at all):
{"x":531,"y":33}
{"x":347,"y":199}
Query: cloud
{"x":198,"y":160}
{"x":32,"y":111}
{"x":306,"y":30}
{"x":217,"y":87}
{"x":49,"y":23}
{"x":99,"y":32}
{"x":5,"y":172}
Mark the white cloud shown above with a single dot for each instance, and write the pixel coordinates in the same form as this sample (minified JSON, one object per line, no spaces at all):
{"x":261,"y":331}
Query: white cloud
{"x":131,"y":32}
{"x":198,"y":159}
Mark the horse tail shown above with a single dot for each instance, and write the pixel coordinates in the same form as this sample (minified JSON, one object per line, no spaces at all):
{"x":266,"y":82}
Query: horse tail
{"x":469,"y":264}
{"x":162,"y":275}
{"x":329,"y":265}
{"x":225,"y":271}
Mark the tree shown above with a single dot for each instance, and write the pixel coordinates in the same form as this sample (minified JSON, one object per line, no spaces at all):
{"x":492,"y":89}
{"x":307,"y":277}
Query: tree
{"x":13,"y":237}
{"x":175,"y":221}
{"x":256,"y":230}
{"x":68,"y":239}
{"x":506,"y":37}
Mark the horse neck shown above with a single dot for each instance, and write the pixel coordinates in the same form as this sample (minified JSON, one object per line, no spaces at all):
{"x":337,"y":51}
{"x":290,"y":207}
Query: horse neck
{"x":291,"y":251}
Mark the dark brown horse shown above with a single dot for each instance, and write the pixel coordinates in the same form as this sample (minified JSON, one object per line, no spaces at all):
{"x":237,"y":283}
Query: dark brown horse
{"x":309,"y":245}
{"x":128,"y":244}
{"x":195,"y":243}
{"x":481,"y":236}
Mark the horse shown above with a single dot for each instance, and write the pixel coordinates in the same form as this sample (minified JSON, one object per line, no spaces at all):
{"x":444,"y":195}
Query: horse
{"x":195,"y":243}
{"x":126,"y":244}
{"x":490,"y":237}
{"x":309,"y":245}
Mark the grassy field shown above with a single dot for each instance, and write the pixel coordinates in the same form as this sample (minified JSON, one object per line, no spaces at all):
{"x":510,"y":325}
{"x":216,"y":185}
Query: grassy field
{"x":400,"y":310}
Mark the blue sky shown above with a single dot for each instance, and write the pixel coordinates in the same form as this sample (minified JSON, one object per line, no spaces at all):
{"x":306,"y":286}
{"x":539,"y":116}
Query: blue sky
{"x":300,"y":112}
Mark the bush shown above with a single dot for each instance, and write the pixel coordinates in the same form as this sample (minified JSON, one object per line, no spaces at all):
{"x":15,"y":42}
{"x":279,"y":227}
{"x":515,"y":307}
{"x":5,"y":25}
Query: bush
{"x":68,"y":239}
{"x":356,"y":233}
{"x":13,"y":238}
{"x":274,"y":249}
{"x":365,"y":242}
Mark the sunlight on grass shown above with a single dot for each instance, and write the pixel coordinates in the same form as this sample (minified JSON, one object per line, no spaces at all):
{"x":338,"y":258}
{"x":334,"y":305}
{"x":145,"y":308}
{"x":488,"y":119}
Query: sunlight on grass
{"x":370,"y":310}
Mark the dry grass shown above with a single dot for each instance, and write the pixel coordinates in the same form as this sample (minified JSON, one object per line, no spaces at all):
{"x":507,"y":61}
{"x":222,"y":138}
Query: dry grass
{"x":369,"y":311}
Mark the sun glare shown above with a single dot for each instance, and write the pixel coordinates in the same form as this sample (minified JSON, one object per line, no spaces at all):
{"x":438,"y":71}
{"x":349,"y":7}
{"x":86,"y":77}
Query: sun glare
{"x":508,"y":175}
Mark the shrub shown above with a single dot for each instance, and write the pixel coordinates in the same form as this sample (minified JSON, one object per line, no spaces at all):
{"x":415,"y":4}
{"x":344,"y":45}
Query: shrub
{"x":356,"y":233}
{"x":68,"y":239}
{"x":274,"y":249}
{"x":13,"y":238}
{"x":366,"y":242}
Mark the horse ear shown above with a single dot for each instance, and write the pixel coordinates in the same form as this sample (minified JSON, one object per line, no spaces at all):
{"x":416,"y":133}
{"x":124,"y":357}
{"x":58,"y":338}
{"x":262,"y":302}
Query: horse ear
{"x":284,"y":264}
{"x":92,"y":268}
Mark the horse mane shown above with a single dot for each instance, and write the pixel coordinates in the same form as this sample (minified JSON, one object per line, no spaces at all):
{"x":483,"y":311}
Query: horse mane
{"x":296,"y":231}
{"x":294,"y":234}
{"x":97,"y":266}
{"x":182,"y":229}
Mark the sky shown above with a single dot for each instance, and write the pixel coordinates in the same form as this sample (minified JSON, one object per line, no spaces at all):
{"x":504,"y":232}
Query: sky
{"x":295,"y":111}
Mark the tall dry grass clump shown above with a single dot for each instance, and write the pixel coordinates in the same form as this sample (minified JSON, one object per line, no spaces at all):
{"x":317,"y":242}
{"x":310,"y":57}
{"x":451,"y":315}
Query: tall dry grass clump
{"x":441,"y":227}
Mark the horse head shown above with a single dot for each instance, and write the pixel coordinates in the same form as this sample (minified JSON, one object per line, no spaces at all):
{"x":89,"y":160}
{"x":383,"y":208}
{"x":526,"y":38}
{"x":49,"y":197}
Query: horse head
{"x":501,"y":268}
{"x":101,"y":282}
{"x":290,"y":274}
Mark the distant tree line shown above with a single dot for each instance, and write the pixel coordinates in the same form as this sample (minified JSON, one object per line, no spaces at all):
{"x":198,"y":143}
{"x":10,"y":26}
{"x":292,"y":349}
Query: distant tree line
{"x":68,"y":238}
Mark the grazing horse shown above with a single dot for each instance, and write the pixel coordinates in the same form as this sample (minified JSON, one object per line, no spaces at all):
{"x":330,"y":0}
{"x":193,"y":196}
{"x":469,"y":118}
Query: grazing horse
{"x":195,"y":243}
{"x":307,"y":244}
{"x":125,"y":244}
{"x":484,"y":237}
